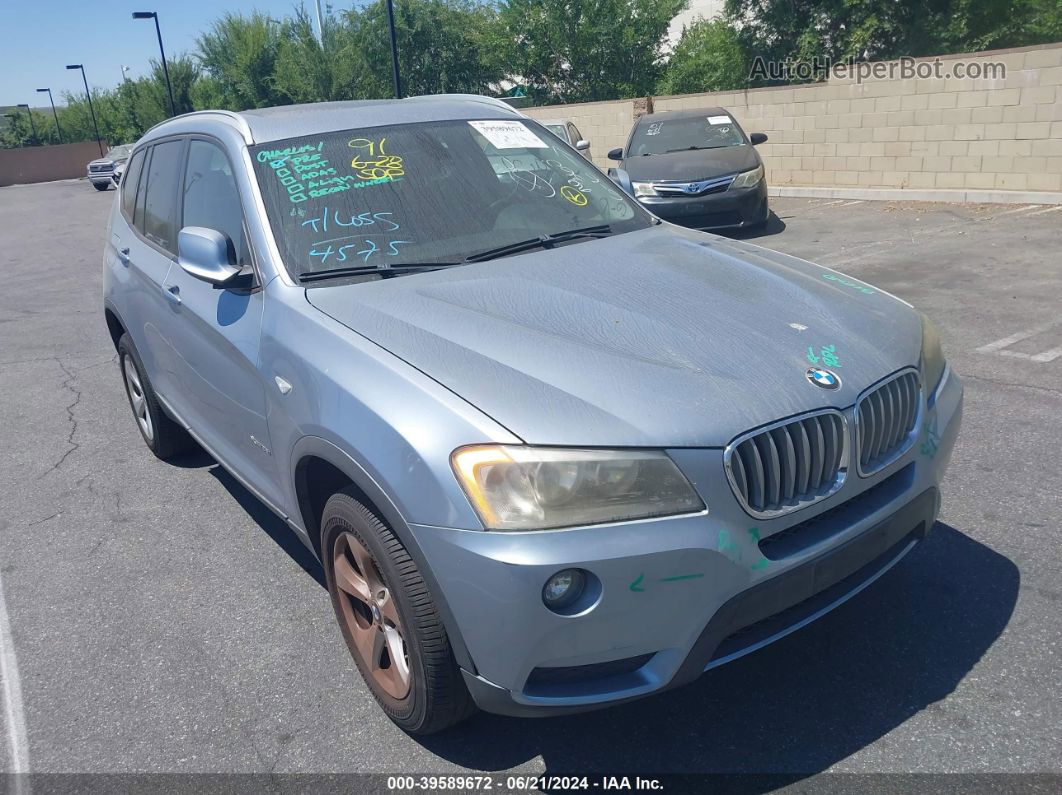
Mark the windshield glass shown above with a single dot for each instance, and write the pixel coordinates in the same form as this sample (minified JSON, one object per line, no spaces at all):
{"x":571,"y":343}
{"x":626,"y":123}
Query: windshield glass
{"x":427,"y":193}
{"x":658,"y":137}
{"x":119,"y":151}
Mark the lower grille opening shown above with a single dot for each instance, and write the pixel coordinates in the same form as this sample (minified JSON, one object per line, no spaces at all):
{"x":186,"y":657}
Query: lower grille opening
{"x":586,"y":679}
{"x":800,"y":537}
{"x":763,"y":629}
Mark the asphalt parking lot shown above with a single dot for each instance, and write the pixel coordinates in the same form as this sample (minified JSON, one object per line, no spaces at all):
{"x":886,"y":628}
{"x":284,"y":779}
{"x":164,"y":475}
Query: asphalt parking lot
{"x":164,"y":621}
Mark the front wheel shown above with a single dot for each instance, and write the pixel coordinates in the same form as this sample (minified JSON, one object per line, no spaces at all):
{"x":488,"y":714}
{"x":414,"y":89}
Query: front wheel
{"x":389,"y":620}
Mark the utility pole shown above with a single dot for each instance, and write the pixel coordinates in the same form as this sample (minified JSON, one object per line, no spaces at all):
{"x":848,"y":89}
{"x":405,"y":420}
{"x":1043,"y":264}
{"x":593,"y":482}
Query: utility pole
{"x":320,"y":26}
{"x":58,"y":129}
{"x":88,"y":96}
{"x":165,"y":69}
{"x":394,"y":49}
{"x":33,"y":127}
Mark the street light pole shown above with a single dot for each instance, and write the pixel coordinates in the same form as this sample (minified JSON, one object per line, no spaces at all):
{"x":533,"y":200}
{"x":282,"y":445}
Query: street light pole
{"x":88,"y":96}
{"x":58,"y":129}
{"x":33,"y":127}
{"x":394,"y":49}
{"x":165,"y":69}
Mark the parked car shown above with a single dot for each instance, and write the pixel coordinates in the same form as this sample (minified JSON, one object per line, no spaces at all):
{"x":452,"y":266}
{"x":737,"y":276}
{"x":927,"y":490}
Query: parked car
{"x":569,"y":133}
{"x":101,"y":171}
{"x":697,"y":168}
{"x":552,"y":453}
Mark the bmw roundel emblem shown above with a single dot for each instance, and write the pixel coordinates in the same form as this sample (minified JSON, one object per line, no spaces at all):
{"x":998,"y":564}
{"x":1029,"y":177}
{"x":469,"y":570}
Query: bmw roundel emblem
{"x":827,"y":379}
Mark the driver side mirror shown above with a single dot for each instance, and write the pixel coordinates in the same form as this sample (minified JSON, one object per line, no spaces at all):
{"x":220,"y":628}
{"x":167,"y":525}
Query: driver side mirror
{"x":206,"y":254}
{"x":615,"y":154}
{"x":758,"y":138}
{"x":582,"y":145}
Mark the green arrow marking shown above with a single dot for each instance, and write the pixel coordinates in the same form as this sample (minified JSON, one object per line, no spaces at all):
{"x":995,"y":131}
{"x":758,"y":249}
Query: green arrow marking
{"x":637,"y":584}
{"x":681,"y":577}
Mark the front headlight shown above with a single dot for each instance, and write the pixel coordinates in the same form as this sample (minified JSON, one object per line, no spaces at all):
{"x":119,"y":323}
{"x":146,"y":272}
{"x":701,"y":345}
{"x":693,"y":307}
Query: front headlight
{"x":933,"y":361}
{"x":536,"y":488}
{"x":643,"y":189}
{"x":748,"y":179}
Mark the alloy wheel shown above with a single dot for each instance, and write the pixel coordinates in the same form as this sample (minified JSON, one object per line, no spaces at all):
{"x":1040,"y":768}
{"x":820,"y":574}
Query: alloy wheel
{"x":369,"y":612}
{"x":137,"y":398}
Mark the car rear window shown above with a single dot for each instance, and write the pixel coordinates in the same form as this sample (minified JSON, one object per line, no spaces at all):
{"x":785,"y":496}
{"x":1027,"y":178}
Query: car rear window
{"x":429,"y":193}
{"x":129,"y":182}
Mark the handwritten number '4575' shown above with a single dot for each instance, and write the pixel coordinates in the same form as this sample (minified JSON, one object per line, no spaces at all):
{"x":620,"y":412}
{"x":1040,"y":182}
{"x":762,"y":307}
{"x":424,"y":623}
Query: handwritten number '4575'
{"x":370,"y":248}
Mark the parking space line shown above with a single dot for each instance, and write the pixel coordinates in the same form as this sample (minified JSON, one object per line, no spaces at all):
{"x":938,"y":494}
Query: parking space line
{"x":14,"y":718}
{"x":849,"y":204}
{"x":1054,"y":209}
{"x":1015,"y":210}
{"x":998,"y":346}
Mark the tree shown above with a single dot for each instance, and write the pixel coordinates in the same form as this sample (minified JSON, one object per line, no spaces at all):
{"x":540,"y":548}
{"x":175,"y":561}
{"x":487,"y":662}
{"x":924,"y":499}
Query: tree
{"x":708,"y":57}
{"x":803,"y":30}
{"x":444,"y":46}
{"x":586,"y":50}
{"x":240,"y":53}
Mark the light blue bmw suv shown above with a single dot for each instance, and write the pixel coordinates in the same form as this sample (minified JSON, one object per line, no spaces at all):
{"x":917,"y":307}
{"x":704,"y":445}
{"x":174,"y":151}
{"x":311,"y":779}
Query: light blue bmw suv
{"x":552,"y":452}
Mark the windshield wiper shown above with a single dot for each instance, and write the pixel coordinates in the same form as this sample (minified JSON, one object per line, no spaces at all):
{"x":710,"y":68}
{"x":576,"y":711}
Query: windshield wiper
{"x":383,"y":270}
{"x":542,"y":241}
{"x":695,"y":148}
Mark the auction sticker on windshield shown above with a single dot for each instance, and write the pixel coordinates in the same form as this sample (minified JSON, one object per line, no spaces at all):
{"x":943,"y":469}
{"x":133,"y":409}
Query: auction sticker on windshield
{"x":508,"y":135}
{"x":719,"y":120}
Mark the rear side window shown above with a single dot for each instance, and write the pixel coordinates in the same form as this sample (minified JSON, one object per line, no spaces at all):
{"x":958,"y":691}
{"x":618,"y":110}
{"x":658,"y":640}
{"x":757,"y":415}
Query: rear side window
{"x":210,"y":195}
{"x":160,"y":202}
{"x":129,"y":183}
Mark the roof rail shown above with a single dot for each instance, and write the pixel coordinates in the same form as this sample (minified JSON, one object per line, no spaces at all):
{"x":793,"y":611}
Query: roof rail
{"x":240,"y":121}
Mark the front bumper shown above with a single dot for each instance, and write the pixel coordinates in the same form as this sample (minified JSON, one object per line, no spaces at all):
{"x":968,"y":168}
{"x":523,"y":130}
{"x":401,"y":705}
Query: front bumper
{"x":100,"y":177}
{"x":682,"y":594}
{"x":730,"y":209}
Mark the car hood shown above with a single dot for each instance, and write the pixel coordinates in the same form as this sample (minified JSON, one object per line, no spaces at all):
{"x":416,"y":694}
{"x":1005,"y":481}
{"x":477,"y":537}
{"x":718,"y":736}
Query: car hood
{"x":663,"y":337}
{"x":692,"y":165}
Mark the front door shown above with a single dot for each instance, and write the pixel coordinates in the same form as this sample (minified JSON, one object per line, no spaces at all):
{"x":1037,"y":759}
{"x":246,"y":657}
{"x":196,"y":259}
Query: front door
{"x":216,"y":332}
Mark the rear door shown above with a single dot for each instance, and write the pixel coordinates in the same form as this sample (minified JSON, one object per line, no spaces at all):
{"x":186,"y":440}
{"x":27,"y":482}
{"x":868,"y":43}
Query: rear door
{"x":215,"y":333}
{"x":146,"y":248}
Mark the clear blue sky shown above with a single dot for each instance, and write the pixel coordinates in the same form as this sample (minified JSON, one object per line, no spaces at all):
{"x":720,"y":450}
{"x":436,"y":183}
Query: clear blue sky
{"x":39,"y":37}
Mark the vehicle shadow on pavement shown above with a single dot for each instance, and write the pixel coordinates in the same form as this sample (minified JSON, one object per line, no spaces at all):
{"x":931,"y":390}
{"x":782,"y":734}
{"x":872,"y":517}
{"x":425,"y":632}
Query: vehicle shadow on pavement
{"x":274,"y":527}
{"x":774,"y":226}
{"x":794,"y":708}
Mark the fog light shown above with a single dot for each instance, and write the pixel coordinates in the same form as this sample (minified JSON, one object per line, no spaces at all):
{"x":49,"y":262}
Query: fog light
{"x":563,"y":588}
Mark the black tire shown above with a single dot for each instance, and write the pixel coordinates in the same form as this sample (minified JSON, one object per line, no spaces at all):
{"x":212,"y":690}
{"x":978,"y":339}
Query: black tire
{"x":437,"y":696}
{"x":166,"y":438}
{"x":100,"y":185}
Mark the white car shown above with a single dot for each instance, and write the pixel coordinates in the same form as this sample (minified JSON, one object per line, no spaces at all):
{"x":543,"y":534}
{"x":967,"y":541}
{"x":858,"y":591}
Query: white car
{"x":101,"y":172}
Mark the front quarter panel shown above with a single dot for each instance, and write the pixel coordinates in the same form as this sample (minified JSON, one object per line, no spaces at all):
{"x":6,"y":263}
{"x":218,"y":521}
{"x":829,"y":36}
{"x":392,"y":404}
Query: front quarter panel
{"x":395,"y":423}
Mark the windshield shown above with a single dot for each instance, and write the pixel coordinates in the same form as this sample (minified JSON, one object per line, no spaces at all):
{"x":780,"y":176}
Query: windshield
{"x":658,"y":137}
{"x":119,"y":151}
{"x":426,"y":193}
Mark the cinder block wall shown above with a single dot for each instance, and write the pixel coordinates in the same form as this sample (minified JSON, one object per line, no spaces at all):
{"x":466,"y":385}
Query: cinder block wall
{"x":605,"y":125}
{"x":999,"y":134}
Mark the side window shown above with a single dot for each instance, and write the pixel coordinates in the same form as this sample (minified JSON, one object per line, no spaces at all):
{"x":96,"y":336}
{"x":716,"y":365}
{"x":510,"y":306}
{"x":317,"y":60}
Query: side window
{"x":576,"y":135}
{"x":160,"y":217}
{"x":129,"y":182}
{"x":141,"y":191}
{"x":210,"y":197}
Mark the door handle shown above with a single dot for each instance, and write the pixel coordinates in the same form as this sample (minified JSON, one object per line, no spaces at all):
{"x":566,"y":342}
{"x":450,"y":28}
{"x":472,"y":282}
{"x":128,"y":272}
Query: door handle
{"x":123,"y":256}
{"x":173,"y":294}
